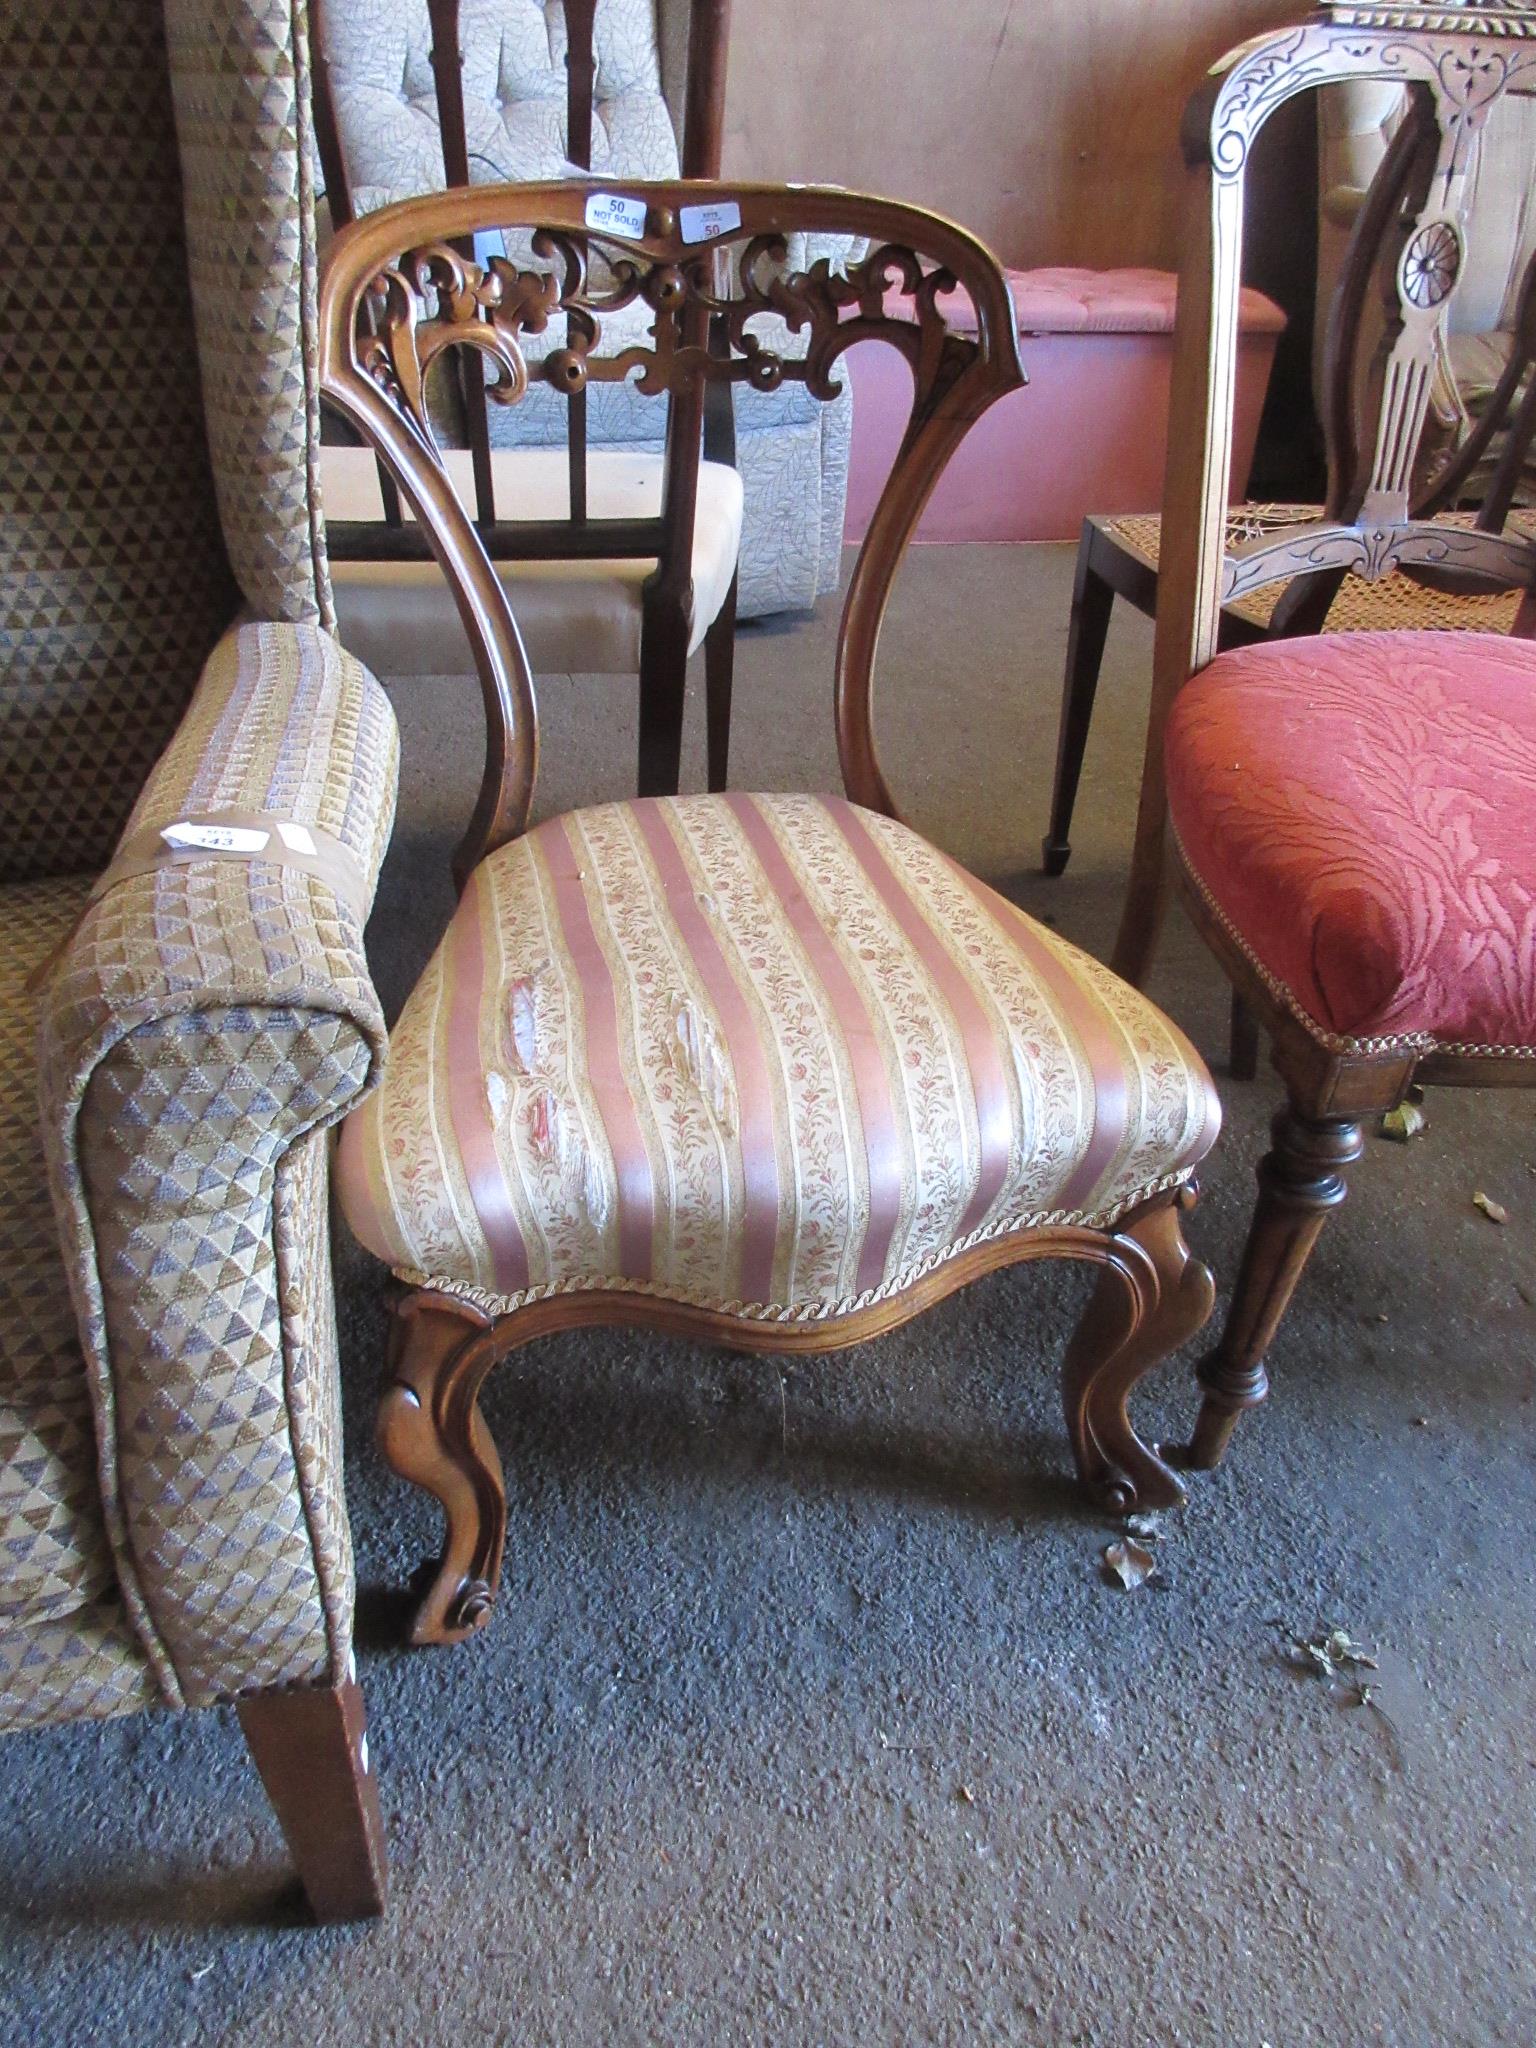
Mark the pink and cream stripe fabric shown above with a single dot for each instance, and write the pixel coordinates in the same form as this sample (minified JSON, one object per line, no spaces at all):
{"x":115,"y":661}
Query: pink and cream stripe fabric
{"x":761,"y":1052}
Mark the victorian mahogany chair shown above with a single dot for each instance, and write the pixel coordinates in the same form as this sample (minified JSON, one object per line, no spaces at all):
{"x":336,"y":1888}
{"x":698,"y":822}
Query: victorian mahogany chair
{"x":766,"y":1070}
{"x":1121,"y":556}
{"x":607,"y":544}
{"x":1351,"y":816}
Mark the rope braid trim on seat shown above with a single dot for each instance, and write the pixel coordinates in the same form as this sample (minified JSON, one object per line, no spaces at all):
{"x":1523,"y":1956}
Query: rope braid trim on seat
{"x":806,"y":1312}
{"x":1418,"y":1043}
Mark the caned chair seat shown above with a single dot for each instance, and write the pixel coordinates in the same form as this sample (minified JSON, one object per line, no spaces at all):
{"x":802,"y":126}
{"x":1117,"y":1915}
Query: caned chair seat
{"x":1394,"y":602}
{"x":1357,"y":810}
{"x":770,"y":1053}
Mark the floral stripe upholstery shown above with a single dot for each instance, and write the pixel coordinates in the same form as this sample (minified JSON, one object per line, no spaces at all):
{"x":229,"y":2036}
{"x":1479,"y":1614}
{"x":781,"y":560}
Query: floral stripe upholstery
{"x":1357,"y":810}
{"x":770,"y":1053}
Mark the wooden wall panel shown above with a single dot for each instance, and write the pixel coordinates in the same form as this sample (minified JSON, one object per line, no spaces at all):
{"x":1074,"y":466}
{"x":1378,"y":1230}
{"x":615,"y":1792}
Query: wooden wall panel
{"x":1048,"y":126}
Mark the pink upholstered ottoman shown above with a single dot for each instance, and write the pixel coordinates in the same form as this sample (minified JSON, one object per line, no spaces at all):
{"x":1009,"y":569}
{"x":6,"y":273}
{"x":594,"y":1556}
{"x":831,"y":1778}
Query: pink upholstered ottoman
{"x":1089,"y":432}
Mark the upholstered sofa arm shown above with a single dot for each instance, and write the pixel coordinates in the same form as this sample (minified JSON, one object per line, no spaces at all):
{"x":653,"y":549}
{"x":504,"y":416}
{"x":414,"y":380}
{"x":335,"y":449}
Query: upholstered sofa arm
{"x":211,"y":1015}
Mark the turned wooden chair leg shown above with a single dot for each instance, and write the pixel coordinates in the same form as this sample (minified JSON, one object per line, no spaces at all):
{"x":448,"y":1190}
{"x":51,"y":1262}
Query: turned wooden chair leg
{"x":719,"y":673}
{"x":310,"y":1745}
{"x":663,"y":690}
{"x":1152,"y":1296}
{"x":431,"y":1432}
{"x":1092,"y":602}
{"x":1301,"y":1182}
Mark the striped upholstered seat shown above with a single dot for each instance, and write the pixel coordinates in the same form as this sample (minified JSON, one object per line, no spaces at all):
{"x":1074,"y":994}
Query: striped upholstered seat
{"x":775,"y":1054}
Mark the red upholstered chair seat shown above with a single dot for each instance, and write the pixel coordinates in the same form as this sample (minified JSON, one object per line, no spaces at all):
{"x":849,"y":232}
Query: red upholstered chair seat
{"x":1361,"y":812}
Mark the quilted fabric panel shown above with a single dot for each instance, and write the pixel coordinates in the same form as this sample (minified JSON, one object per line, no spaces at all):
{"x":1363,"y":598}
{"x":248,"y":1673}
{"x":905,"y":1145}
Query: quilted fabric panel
{"x":239,"y":72}
{"x":113,"y":578}
{"x":205,"y":1020}
{"x":773,"y":1053}
{"x":54,"y":1555}
{"x":1359,"y":811}
{"x":379,"y":53}
{"x":85,"y":1668}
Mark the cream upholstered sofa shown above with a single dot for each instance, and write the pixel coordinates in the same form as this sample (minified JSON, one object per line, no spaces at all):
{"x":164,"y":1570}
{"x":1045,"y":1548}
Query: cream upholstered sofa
{"x":179,"y":1024}
{"x":791,"y":450}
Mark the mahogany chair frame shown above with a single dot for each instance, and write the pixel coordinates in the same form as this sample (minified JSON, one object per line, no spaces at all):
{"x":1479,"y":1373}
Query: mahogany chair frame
{"x":1108,"y":568}
{"x":697,"y":425}
{"x":1457,"y":65}
{"x":1151,"y":1294}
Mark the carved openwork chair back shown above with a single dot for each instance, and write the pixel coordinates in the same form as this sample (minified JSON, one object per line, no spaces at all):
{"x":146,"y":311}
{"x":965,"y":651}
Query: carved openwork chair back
{"x":506,"y":535}
{"x":710,"y":262}
{"x":1386,"y":334}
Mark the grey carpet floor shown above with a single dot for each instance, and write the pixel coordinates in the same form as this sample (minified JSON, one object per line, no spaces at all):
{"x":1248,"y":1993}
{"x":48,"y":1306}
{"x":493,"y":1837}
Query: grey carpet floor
{"x":806,"y":1716}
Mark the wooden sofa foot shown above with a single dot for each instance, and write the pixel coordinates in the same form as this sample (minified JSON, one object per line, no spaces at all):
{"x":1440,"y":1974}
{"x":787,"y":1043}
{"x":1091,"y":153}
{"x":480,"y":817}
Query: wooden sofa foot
{"x":310,"y":1745}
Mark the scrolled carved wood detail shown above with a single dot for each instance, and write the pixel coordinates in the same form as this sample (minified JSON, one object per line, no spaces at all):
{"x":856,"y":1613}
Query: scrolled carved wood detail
{"x":432,"y":299}
{"x":1468,"y":59}
{"x":397,"y":295}
{"x":1152,"y":1296}
{"x":1371,"y":552}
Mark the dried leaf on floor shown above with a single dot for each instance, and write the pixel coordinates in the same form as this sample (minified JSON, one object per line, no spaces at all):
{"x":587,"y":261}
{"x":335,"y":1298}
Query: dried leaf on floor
{"x":1129,"y":1564}
{"x":1494,"y":1211}
{"x":1405,"y":1122}
{"x":1338,"y":1660}
{"x":1147,"y":1527}
{"x":967,"y":1795}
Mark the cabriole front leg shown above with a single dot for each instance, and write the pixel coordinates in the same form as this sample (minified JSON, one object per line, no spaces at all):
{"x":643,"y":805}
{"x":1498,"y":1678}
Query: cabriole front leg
{"x":1153,"y":1295}
{"x":432,"y":1433}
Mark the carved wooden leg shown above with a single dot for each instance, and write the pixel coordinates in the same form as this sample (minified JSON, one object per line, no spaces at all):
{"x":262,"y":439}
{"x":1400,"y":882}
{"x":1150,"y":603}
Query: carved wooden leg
{"x":663,"y":688}
{"x":1301,"y":1181}
{"x":719,"y":672}
{"x":310,"y":1745}
{"x":431,"y":1432}
{"x":1152,"y":1296}
{"x":1092,"y":602}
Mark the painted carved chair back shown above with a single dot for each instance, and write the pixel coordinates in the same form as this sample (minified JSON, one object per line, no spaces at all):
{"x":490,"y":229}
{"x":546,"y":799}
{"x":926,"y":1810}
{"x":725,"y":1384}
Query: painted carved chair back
{"x":708,"y":260}
{"x":1387,"y":324}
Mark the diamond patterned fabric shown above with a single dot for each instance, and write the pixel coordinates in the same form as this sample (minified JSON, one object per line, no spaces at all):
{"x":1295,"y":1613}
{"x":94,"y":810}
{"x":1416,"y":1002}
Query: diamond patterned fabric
{"x":204,"y":1025}
{"x":84,"y":1668}
{"x":54,"y":1555}
{"x":239,"y":72}
{"x":171,"y":1518}
{"x":114,"y":582}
